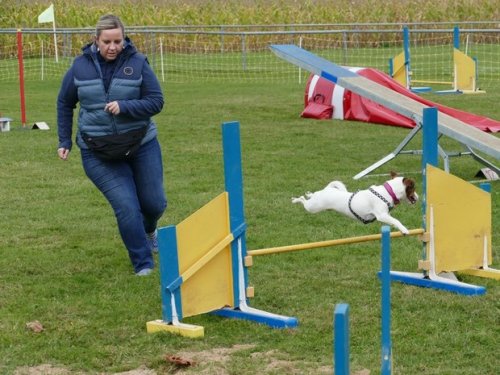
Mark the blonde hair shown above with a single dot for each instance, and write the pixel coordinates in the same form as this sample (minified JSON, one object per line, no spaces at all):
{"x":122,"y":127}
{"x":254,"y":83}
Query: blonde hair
{"x":108,"y":22}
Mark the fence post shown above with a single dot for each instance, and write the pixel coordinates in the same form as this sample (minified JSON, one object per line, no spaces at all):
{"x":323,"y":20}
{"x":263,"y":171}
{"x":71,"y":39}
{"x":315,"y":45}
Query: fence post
{"x":20,"y":62}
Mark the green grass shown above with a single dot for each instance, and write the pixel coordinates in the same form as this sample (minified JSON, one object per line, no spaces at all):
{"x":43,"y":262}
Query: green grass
{"x":62,"y":261}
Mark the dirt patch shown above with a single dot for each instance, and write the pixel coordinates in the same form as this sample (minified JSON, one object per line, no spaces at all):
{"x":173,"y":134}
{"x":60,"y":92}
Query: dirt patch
{"x":209,"y":362}
{"x":276,"y":362}
{"x":206,"y":362}
{"x":43,"y":370}
{"x":214,"y":361}
{"x":52,"y":370}
{"x":143,"y":370}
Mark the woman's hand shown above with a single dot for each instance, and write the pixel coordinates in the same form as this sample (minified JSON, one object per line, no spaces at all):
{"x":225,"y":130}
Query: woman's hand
{"x":112,"y":107}
{"x":63,"y":153}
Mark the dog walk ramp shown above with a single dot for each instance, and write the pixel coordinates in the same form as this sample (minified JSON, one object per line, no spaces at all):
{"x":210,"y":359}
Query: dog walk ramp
{"x":469,"y":136}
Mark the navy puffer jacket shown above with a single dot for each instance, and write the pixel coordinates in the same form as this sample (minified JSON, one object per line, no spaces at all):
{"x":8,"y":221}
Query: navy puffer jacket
{"x":132,"y":83}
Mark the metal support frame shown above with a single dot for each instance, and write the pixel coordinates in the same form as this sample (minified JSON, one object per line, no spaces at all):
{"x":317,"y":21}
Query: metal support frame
{"x":445,"y":155}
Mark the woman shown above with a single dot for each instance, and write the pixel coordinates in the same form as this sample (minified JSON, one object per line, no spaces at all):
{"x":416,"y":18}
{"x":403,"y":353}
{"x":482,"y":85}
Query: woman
{"x":118,"y":94}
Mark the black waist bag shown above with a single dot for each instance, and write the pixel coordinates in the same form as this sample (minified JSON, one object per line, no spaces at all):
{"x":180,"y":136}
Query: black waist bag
{"x":115,"y":146}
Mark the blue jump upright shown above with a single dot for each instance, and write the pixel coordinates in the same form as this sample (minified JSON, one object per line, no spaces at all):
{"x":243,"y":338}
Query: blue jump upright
{"x":341,"y":318}
{"x":233,"y":177}
{"x":386,"y":363}
{"x":341,"y":362}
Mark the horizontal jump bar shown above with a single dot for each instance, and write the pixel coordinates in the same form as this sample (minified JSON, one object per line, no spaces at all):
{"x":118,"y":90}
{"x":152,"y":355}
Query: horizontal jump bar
{"x":340,"y":241}
{"x":430,"y":81}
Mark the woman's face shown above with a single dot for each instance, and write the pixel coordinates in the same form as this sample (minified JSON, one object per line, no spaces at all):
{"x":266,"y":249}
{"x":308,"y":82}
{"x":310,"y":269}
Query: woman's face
{"x":110,"y":43}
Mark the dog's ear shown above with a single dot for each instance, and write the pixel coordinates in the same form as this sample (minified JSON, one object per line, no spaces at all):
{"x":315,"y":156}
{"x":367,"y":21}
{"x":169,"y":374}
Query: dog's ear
{"x":394,"y":174}
{"x":409,"y":183}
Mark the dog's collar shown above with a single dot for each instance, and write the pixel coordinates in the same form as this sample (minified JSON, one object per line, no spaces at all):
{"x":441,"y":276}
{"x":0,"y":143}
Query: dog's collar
{"x":391,"y":193}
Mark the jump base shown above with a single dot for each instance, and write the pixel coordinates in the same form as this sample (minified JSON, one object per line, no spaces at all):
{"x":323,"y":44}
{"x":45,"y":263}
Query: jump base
{"x":186,"y":330}
{"x":441,"y":283}
{"x":259,"y":316}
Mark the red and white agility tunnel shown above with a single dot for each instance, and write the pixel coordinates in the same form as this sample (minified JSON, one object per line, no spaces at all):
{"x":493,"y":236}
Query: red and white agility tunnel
{"x":324,"y":100}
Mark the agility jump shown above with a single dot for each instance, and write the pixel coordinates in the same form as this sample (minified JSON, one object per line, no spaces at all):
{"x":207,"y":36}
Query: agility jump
{"x":464,"y":69}
{"x":202,"y":258}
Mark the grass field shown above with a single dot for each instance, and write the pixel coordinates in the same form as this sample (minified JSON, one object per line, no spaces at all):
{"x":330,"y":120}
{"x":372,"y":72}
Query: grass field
{"x":62,"y":261}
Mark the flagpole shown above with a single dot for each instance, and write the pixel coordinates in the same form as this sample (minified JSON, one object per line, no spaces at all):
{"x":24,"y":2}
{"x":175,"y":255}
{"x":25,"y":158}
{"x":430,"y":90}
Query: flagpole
{"x":55,"y":39}
{"x":43,"y":62}
{"x":48,"y":16}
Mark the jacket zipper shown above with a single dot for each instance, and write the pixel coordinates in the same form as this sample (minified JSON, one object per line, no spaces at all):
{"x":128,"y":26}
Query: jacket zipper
{"x":98,"y":67}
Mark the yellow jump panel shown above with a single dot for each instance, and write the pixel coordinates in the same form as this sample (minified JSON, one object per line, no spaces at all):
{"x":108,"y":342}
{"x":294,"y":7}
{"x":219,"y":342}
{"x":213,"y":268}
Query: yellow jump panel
{"x":206,"y":231}
{"x":465,"y":71}
{"x":399,"y":69}
{"x":462,"y":221}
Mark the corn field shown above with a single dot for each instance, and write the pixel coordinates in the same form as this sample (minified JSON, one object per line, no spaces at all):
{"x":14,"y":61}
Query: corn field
{"x":69,"y":13}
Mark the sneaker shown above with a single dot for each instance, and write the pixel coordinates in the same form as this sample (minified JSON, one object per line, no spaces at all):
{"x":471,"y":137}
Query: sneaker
{"x":153,"y":241}
{"x":144,"y":272}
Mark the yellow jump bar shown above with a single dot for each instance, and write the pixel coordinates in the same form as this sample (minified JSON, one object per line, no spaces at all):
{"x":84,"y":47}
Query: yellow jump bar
{"x":431,"y":82}
{"x":340,"y":241}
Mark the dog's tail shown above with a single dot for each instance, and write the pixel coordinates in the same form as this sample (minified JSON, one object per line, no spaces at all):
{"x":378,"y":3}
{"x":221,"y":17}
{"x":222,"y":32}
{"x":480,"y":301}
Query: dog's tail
{"x":337,"y":185}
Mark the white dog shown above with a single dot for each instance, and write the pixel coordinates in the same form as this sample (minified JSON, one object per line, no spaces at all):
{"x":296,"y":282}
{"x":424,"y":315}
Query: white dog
{"x":365,"y":205}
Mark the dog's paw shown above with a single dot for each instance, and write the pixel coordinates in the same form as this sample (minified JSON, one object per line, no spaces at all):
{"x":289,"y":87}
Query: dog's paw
{"x":405,"y":231}
{"x":300,"y":199}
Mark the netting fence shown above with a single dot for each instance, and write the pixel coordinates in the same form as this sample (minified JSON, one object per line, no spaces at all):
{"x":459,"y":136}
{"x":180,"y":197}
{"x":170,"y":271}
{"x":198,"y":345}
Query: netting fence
{"x":239,"y":54}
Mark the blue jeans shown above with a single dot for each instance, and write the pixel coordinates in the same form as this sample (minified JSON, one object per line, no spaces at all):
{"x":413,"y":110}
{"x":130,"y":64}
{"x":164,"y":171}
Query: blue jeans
{"x":134,"y":188}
